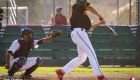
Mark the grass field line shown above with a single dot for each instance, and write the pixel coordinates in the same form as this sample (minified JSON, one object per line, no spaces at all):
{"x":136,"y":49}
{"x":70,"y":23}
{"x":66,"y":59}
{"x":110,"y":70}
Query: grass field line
{"x":82,"y":70}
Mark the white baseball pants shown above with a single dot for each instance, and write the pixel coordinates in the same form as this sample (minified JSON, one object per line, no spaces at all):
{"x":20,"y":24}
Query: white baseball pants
{"x":80,"y":38}
{"x":29,"y":63}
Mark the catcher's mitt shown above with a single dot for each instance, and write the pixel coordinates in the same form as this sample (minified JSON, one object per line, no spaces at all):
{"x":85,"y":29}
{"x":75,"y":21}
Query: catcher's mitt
{"x":55,"y":33}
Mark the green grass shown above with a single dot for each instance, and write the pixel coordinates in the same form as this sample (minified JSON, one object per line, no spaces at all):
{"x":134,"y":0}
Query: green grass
{"x":82,"y":70}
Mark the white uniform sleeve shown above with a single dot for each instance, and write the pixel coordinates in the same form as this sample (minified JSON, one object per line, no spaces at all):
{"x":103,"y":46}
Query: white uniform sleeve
{"x":35,"y":43}
{"x":14,"y":47}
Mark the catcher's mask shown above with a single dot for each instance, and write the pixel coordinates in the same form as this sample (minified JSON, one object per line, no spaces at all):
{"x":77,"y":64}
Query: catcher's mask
{"x":82,"y":1}
{"x":27,"y":32}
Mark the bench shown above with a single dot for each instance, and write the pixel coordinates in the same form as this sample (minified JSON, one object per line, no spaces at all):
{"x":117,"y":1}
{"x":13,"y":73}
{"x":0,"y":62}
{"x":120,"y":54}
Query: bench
{"x":110,"y":51}
{"x":122,"y":50}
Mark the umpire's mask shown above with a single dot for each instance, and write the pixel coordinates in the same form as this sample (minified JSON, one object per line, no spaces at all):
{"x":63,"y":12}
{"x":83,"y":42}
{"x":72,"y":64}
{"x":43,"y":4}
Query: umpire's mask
{"x":27,"y":32}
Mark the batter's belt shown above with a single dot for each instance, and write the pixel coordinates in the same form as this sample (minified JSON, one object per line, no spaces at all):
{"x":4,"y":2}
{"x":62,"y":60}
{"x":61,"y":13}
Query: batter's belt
{"x":82,"y":29}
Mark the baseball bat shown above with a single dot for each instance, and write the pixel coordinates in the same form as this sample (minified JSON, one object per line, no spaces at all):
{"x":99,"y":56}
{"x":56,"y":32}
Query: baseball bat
{"x":112,"y":32}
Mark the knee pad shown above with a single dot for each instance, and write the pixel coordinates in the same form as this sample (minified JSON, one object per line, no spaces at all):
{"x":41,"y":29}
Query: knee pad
{"x":21,"y":61}
{"x":34,"y":67}
{"x":17,"y":65}
{"x":39,"y":61}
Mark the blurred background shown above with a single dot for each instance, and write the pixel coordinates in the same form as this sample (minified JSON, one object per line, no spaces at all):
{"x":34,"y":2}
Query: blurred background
{"x":117,"y":12}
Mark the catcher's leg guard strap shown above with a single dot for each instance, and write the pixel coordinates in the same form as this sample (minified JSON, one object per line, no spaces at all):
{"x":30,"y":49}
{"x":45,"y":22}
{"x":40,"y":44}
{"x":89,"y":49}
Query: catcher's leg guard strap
{"x":17,"y":65}
{"x":34,"y":67}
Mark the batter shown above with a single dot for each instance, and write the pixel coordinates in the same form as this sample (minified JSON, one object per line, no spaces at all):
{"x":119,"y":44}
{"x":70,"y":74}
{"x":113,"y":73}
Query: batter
{"x":80,"y":24}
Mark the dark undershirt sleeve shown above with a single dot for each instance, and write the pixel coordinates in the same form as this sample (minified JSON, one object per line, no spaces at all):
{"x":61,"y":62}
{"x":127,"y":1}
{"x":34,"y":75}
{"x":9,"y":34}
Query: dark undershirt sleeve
{"x":11,"y":53}
{"x":40,"y":42}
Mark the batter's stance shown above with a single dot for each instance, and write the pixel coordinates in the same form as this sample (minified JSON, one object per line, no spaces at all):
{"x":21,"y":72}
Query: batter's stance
{"x":80,"y":24}
{"x":16,"y":56}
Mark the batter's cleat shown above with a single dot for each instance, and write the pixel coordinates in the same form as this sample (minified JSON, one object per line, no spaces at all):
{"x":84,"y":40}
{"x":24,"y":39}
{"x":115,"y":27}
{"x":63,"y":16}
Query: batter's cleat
{"x":101,"y":77}
{"x":59,"y":74}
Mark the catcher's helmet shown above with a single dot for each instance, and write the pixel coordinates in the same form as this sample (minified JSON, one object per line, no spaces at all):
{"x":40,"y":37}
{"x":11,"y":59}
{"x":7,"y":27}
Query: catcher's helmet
{"x":81,"y":1}
{"x":27,"y":31}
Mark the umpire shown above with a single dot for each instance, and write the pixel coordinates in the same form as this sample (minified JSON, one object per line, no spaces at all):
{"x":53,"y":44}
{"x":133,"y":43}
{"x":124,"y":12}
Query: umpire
{"x":16,"y":56}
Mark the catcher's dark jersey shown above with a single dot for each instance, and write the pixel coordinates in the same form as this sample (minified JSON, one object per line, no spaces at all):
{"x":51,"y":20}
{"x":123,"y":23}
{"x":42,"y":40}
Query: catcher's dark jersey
{"x":79,"y":17}
{"x":22,"y":48}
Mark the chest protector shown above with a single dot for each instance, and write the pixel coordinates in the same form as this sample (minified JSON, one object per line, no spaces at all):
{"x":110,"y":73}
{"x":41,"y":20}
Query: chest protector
{"x":23,"y":50}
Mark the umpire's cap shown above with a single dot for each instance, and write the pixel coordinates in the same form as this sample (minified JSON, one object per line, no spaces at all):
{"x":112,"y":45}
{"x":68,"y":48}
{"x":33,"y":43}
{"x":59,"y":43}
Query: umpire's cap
{"x":27,"y":31}
{"x":82,"y":1}
{"x":1,"y":10}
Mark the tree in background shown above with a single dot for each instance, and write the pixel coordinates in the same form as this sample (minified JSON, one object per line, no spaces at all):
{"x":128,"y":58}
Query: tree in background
{"x":125,"y":15}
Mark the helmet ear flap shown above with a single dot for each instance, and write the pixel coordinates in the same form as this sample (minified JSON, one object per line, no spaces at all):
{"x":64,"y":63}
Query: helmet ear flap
{"x":22,"y":32}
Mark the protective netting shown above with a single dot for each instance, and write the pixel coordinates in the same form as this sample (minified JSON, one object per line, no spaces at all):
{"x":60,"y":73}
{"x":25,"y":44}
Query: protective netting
{"x":117,"y":12}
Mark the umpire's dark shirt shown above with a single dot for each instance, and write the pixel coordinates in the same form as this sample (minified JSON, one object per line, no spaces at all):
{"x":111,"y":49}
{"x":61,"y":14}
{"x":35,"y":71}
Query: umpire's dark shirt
{"x":79,"y":17}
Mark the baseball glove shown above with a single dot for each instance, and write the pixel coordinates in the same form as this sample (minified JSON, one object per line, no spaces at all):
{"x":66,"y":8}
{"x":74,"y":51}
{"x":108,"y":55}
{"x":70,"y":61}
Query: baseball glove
{"x":55,"y":33}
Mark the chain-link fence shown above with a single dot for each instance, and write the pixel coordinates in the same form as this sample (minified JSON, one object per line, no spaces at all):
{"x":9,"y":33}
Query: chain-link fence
{"x":117,"y":12}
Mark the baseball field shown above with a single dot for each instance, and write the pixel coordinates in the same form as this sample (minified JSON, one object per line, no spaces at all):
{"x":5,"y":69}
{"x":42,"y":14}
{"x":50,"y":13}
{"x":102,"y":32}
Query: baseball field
{"x":83,"y":73}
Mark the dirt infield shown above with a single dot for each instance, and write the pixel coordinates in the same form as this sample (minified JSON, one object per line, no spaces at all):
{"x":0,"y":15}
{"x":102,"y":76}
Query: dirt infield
{"x":84,"y":77}
{"x":81,"y":77}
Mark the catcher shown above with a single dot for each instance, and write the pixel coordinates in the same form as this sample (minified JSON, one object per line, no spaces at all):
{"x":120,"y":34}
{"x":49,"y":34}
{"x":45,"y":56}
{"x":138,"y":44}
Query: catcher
{"x":16,"y":56}
{"x":1,"y":17}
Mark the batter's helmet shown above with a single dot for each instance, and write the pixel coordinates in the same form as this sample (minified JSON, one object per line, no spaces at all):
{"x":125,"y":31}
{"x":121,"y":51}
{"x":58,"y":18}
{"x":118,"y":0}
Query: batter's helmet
{"x":82,"y":1}
{"x":27,"y":31}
